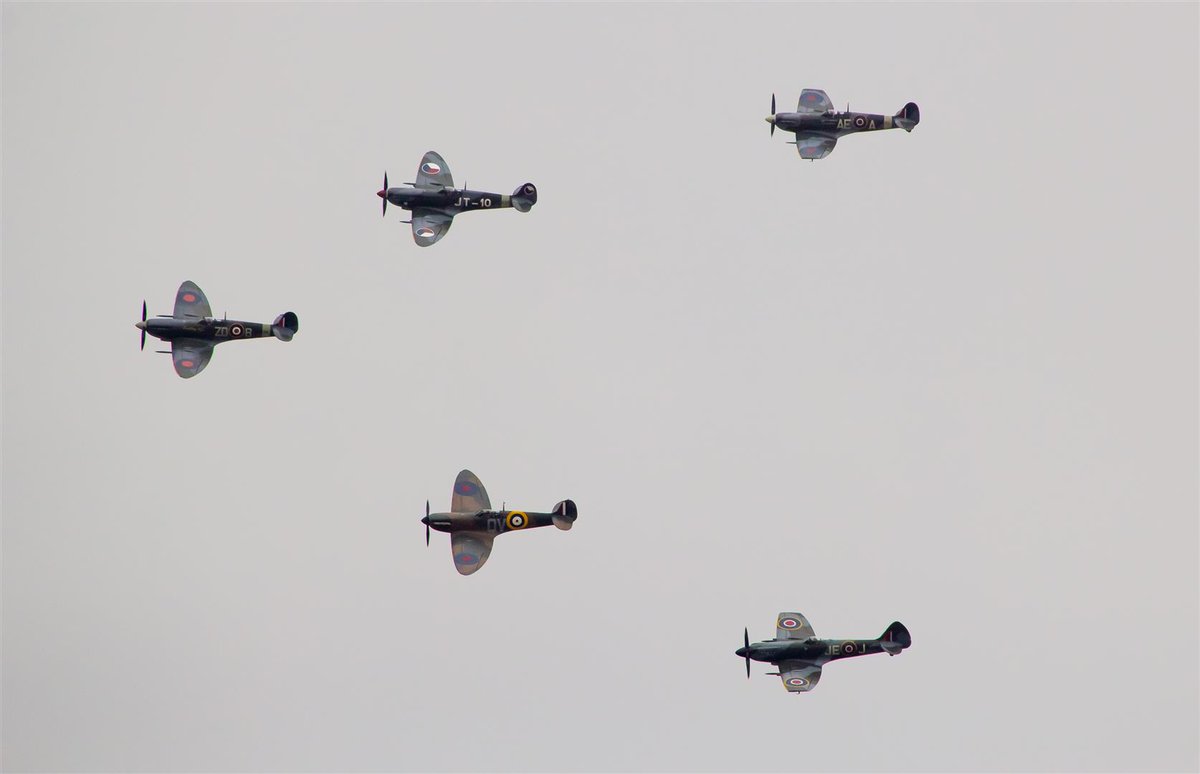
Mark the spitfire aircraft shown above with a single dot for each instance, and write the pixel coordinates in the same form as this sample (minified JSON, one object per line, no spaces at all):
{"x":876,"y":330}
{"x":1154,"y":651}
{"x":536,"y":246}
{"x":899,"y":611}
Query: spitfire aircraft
{"x":434,"y":201}
{"x":799,"y":655}
{"x":473,"y":525}
{"x":193,"y":331}
{"x":817,"y":125}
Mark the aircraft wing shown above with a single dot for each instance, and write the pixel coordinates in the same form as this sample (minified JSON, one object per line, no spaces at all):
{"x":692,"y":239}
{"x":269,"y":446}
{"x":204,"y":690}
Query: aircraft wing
{"x":190,"y":356}
{"x":799,"y":676}
{"x":793,"y":626}
{"x":190,"y":301}
{"x":428,"y":226}
{"x":434,"y":172}
{"x":471,"y":550}
{"x":814,"y":146}
{"x":469,"y":494}
{"x":814,"y":101}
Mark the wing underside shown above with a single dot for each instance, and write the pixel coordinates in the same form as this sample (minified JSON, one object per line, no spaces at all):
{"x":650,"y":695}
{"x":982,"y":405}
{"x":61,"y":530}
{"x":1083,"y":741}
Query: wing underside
{"x":799,"y":676}
{"x":190,"y":357}
{"x":814,"y":101}
{"x":434,"y":172}
{"x":428,"y":226}
{"x":190,"y":301}
{"x":469,"y":495}
{"x":813,"y":147}
{"x":793,"y":626}
{"x":471,"y":550}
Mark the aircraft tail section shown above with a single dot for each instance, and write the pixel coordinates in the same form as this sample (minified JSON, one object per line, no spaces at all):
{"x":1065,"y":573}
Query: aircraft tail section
{"x":524,"y":197}
{"x":895,"y":638}
{"x":908,"y":116}
{"x":285,"y":326}
{"x":564,"y":514}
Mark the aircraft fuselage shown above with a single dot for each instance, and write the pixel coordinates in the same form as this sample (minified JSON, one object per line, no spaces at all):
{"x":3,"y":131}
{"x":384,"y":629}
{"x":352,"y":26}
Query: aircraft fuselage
{"x":204,"y":329}
{"x":832,"y":124}
{"x":815,"y":650}
{"x":450,"y":200}
{"x":492,"y":522}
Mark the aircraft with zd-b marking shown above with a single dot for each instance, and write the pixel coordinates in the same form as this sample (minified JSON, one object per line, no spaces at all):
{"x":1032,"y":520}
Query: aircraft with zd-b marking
{"x":818,"y":126}
{"x":193,"y":331}
{"x":473,"y":525}
{"x":434,"y":201}
{"x":799,"y":655}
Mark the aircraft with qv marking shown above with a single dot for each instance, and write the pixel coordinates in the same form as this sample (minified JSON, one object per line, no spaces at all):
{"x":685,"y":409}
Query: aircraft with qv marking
{"x":434,"y":201}
{"x":473,"y":525}
{"x":193,"y":331}
{"x":799,"y":655}
{"x":817,"y":125}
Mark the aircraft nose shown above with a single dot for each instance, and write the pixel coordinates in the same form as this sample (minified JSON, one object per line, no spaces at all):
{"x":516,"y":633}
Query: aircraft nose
{"x":381,"y":193}
{"x":140,"y":325}
{"x":425,"y":520}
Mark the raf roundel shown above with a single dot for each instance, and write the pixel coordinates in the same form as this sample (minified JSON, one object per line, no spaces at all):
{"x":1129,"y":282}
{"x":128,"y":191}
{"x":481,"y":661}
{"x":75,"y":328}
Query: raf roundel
{"x":430,"y":168}
{"x":848,"y":648}
{"x":466,"y":558}
{"x":789,"y":623}
{"x":860,"y":122}
{"x":425,"y":232}
{"x":235,"y":330}
{"x":516,"y":520}
{"x":187,"y":364}
{"x":798,"y":682}
{"x":189,"y":298}
{"x":467,"y":488}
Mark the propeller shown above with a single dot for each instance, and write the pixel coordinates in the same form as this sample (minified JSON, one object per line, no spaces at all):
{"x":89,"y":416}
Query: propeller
{"x":143,"y":325}
{"x":427,"y":523}
{"x":383,"y":193}
{"x":772,"y":113}
{"x":746,"y":635}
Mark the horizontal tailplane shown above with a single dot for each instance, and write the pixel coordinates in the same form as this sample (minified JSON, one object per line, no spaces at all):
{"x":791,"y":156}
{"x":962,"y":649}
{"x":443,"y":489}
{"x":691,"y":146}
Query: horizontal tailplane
{"x":285,"y":326}
{"x":564,"y":514}
{"x":895,"y":638}
{"x":524,"y":197}
{"x":908,"y":117}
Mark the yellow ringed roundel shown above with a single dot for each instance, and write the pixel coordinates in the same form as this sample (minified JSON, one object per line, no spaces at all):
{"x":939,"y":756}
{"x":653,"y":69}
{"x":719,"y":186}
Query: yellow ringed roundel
{"x":516,"y":520}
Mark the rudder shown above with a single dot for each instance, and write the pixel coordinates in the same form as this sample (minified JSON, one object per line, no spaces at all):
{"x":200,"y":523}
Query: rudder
{"x":524,"y":197}
{"x":564,"y":514}
{"x":285,"y":326}
{"x":895,"y":638}
{"x":908,"y":116}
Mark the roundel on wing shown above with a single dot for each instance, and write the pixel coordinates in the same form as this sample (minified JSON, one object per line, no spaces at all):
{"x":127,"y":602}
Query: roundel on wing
{"x":465,"y":558}
{"x":798,"y":682}
{"x":811,"y":97}
{"x":517,"y":520}
{"x":189,"y":298}
{"x":788,"y":623}
{"x":187,"y":364}
{"x":425,"y":232}
{"x":430,"y":168}
{"x":467,"y":488}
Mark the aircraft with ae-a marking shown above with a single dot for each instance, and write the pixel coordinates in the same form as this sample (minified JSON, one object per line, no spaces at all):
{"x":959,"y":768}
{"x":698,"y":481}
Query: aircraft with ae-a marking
{"x":473,"y":525}
{"x":434,"y":201}
{"x":193,"y":331}
{"x":799,"y":655}
{"x":818,"y":126}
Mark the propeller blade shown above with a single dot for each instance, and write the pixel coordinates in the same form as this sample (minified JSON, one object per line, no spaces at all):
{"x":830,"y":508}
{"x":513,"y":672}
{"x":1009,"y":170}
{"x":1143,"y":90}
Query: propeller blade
{"x":426,"y":535}
{"x":143,"y":326}
{"x":746,"y":635}
{"x":772,"y":113}
{"x":383,"y":193}
{"x":143,"y":311}
{"x":427,"y":523}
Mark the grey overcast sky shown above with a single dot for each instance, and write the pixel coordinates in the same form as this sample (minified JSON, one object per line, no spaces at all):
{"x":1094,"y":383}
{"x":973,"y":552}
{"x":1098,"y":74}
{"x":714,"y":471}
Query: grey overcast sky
{"x":947,"y":377}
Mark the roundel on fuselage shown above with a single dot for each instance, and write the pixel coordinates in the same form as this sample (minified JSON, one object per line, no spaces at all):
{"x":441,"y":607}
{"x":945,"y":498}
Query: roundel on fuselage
{"x":516,"y":520}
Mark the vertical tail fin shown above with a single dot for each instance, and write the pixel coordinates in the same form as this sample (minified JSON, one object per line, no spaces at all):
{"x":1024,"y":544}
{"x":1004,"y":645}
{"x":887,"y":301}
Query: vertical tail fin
{"x":285,"y":326}
{"x":908,"y":116}
{"x":564,"y":514}
{"x":524,"y":197}
{"x":895,"y":638}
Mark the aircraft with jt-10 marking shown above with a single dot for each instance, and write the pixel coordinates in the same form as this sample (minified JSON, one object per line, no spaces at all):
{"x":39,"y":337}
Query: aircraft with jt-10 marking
{"x":193,"y":331}
{"x":799,"y":655}
{"x":473,"y":525}
{"x":817,"y":125}
{"x":434,"y":201}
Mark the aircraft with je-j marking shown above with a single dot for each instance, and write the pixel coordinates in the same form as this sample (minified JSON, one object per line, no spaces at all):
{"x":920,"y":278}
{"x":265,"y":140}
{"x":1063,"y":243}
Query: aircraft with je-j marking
{"x":434,"y":201}
{"x":473,"y":525}
{"x":193,"y":331}
{"x":799,"y":655}
{"x":818,"y":126}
